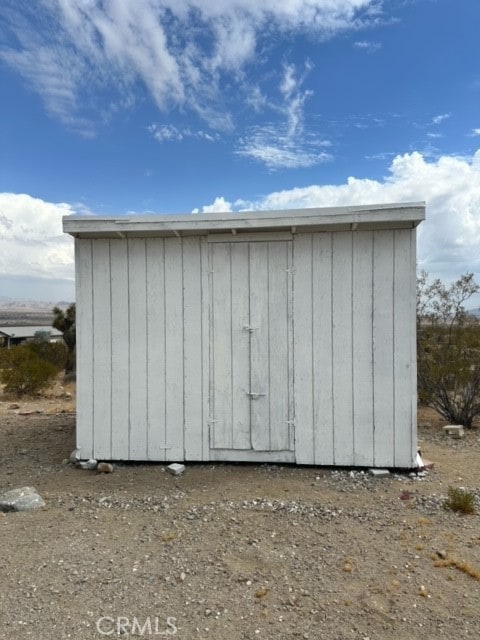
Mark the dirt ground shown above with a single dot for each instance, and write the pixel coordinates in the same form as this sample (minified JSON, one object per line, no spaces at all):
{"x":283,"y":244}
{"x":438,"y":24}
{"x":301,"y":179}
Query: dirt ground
{"x":232,"y":552}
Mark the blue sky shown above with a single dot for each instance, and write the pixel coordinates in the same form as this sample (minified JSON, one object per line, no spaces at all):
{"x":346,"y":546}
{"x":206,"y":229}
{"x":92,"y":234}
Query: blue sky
{"x":172,"y":106}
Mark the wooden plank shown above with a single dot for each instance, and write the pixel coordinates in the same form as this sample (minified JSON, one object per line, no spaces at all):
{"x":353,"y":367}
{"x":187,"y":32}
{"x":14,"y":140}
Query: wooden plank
{"x":240,"y":346}
{"x":342,"y":348}
{"x":278,"y":319}
{"x":402,"y":319}
{"x":138,"y":350}
{"x":303,"y":363}
{"x":84,"y":323}
{"x":413,"y":340}
{"x":120,"y":349}
{"x":259,"y":347}
{"x":192,"y":358}
{"x":291,"y":371}
{"x":322,"y":371}
{"x":102,"y":363}
{"x":206,"y":308}
{"x":264,"y":236}
{"x":383,"y":348}
{"x":174,"y":349}
{"x":362,"y":348}
{"x":249,"y":455}
{"x":156,"y":430}
{"x":221,"y":345}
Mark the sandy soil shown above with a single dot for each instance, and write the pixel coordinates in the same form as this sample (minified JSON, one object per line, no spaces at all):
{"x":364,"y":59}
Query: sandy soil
{"x":232,"y":551}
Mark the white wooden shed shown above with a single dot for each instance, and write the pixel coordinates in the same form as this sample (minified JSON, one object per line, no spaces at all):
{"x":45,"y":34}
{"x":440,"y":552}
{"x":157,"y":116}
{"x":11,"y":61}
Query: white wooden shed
{"x":279,"y":336}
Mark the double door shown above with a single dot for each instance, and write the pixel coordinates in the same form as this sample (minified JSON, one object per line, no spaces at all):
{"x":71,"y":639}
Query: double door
{"x":251,"y":335}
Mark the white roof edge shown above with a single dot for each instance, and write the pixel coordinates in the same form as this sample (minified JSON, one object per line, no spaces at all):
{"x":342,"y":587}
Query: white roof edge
{"x":413,"y":212}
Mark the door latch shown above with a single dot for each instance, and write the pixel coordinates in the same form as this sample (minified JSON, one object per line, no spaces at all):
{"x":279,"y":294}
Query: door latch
{"x":249,"y":328}
{"x":254,"y":394}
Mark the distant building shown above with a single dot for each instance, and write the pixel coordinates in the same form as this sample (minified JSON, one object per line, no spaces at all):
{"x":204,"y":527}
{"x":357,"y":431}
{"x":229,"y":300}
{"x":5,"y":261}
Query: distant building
{"x":10,"y":336}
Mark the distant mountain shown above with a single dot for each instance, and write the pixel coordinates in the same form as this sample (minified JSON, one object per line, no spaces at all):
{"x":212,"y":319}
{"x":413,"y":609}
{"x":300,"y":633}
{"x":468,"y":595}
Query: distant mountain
{"x":475,"y":312}
{"x":35,"y":306}
{"x":28,"y":312}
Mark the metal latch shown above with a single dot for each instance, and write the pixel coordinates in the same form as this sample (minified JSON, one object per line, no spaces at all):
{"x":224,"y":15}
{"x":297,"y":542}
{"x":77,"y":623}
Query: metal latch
{"x":247,"y":327}
{"x":254,"y":394}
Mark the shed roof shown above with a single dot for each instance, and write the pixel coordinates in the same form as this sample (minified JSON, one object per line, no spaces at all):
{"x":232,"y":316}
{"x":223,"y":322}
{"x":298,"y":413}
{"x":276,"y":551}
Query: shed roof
{"x":383,"y":216}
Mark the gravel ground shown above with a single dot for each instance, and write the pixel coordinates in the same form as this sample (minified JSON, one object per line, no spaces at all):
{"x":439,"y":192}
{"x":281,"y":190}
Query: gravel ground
{"x":233,"y":552}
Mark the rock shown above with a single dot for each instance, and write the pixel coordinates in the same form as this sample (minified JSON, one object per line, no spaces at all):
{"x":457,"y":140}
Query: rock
{"x":75,"y":456}
{"x":89,"y":465}
{"x":14,"y":406}
{"x":176,"y":469}
{"x":379,"y":473}
{"x":22,"y":499}
{"x":454,"y":430}
{"x":105,"y":467}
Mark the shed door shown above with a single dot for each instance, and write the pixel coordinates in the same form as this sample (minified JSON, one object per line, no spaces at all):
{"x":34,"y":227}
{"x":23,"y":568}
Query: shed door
{"x":251,"y":337}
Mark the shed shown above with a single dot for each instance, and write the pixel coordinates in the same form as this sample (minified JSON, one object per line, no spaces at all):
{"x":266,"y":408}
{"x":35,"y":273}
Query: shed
{"x":274,"y":336}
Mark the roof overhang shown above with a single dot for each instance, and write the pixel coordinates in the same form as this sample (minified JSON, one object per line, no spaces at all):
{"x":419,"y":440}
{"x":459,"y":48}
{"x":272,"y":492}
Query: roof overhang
{"x":385,"y":216}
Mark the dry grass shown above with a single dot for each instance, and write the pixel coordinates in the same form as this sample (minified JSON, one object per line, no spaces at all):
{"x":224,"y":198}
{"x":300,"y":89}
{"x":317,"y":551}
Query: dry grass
{"x":461,"y":565}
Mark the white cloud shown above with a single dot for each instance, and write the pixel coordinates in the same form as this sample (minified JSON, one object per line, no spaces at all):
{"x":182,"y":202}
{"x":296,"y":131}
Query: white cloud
{"x":440,"y":118}
{"x":274,"y":146}
{"x":368,"y":46}
{"x":177,"y":49}
{"x":286,"y":145}
{"x":475,"y":132}
{"x":32,"y":243}
{"x":169,"y":133}
{"x":448,"y":240}
{"x":219,"y":205}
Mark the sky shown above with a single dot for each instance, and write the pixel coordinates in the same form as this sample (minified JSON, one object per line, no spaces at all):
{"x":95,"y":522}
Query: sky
{"x":111,"y":107}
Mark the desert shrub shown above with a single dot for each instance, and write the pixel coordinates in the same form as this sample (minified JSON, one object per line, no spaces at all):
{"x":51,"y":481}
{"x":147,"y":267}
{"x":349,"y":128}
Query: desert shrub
{"x":460,"y":501}
{"x":53,"y":352}
{"x":448,"y":349}
{"x":23,"y":372}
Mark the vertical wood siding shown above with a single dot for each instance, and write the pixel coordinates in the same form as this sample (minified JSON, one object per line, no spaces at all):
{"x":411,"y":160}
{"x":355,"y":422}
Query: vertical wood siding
{"x":355,"y":376}
{"x":141,"y":343}
{"x":251,"y":402}
{"x":166,"y":360}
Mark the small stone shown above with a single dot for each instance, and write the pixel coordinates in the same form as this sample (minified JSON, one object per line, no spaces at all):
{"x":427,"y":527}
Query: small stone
{"x":176,"y":469}
{"x":441,"y":553}
{"x":22,"y":499}
{"x":88,"y":465}
{"x":379,"y":473}
{"x":105,"y":467}
{"x":454,"y":430}
{"x":14,"y":406}
{"x":75,"y":456}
